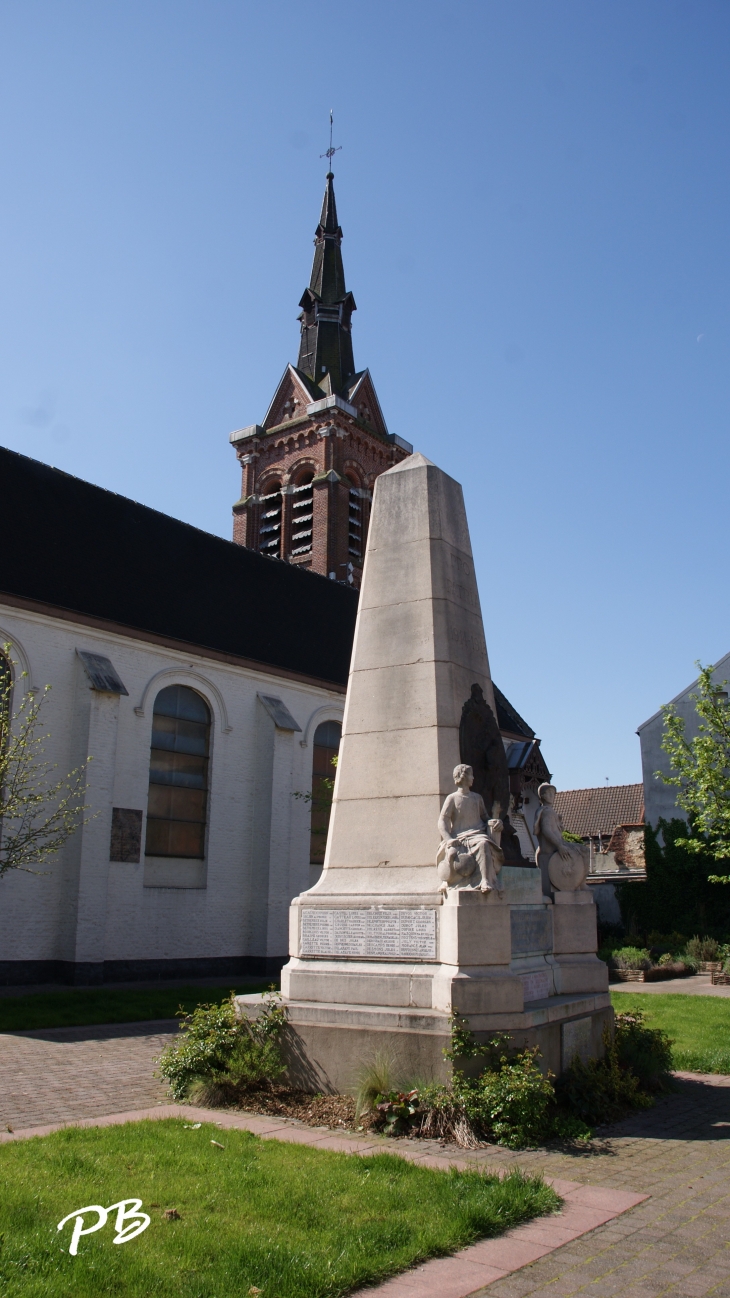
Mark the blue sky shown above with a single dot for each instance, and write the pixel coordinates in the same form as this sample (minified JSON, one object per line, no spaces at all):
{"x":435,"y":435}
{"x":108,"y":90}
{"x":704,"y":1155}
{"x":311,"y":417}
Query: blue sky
{"x":535,"y":202}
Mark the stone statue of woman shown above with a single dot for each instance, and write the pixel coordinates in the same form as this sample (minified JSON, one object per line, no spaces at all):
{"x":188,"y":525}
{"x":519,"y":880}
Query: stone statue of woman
{"x":568,"y":871}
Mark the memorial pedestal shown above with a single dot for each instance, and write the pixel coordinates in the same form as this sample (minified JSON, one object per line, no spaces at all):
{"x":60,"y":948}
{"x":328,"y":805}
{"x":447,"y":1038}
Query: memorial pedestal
{"x":385,"y":979}
{"x":380,"y":957}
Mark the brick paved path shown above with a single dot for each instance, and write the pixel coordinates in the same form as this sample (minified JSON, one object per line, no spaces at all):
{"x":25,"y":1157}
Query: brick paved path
{"x":61,"y":1074}
{"x":676,"y":1243}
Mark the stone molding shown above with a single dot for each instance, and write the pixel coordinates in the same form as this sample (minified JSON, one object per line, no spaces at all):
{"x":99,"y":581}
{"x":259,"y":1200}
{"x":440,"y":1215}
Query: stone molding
{"x":184,"y":676}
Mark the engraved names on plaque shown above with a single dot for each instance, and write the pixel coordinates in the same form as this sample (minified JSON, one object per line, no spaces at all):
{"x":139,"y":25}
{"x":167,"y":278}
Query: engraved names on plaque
{"x":380,"y":934}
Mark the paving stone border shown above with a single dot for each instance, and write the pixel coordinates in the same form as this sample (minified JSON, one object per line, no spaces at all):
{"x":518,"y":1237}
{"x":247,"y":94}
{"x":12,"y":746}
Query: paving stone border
{"x":584,"y":1206}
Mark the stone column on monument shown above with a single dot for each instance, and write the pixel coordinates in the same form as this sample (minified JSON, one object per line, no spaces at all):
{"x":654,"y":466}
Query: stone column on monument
{"x":419,"y":647}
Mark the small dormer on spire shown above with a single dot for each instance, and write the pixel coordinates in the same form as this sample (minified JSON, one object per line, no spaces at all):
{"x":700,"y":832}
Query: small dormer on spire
{"x":325,"y":348}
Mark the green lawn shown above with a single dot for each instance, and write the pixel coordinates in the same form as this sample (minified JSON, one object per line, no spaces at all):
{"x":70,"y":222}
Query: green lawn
{"x":699,"y":1026}
{"x":257,"y":1215}
{"x":75,"y":1007}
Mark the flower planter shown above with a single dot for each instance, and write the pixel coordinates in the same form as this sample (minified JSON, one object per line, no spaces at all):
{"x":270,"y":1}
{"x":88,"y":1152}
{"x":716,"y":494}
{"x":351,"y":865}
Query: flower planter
{"x":710,"y":966}
{"x":720,"y":979}
{"x":626,"y":975}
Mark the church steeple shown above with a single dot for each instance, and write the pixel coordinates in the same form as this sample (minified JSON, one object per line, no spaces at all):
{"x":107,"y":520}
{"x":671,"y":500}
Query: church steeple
{"x":325,"y":348}
{"x":309,"y":467}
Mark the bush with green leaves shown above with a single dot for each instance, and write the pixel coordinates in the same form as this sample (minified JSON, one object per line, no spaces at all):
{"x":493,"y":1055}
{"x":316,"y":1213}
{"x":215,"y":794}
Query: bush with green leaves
{"x":510,"y":1100}
{"x":701,"y":949}
{"x":631,"y":957}
{"x":637,"y":1061}
{"x":645,"y":1052}
{"x":220,"y":1054}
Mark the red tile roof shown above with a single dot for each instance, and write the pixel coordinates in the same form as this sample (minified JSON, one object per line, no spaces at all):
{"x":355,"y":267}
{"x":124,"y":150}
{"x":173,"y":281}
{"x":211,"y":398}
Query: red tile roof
{"x":599,"y":811}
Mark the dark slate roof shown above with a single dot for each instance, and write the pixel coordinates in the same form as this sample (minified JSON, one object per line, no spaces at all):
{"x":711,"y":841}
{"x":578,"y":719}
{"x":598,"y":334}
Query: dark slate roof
{"x":325,"y":345}
{"x":598,"y":811}
{"x":508,"y":718}
{"x":69,"y":544}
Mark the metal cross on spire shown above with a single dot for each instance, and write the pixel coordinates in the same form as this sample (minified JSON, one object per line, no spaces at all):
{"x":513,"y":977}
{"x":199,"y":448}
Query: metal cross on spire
{"x":331,"y":151}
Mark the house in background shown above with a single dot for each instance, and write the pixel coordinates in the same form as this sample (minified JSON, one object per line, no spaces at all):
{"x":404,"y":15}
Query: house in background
{"x":610,"y":820}
{"x":660,"y":798}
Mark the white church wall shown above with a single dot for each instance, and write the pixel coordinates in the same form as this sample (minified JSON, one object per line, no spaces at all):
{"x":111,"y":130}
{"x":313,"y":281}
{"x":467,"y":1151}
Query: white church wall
{"x":87,"y":909}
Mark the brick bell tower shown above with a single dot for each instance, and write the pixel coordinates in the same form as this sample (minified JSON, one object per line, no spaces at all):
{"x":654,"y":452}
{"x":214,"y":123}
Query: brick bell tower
{"x":309,"y":468}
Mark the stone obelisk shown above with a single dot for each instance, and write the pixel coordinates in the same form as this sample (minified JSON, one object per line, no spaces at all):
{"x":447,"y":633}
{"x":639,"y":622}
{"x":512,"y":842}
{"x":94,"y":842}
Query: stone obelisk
{"x":419,"y":645}
{"x":380,"y":957}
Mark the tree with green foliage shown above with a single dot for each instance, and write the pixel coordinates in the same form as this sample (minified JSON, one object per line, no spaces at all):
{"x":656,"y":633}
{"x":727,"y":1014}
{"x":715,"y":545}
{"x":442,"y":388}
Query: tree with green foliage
{"x":701,"y":771}
{"x":38,"y":812}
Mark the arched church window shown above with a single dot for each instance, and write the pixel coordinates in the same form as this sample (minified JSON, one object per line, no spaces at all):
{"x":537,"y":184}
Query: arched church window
{"x":325,"y":747}
{"x":355,"y":538}
{"x":270,"y":521}
{"x":302,"y":515}
{"x":178,"y":793}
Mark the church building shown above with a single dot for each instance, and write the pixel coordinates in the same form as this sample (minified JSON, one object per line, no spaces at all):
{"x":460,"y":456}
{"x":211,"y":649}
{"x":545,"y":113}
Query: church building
{"x":206,"y":678}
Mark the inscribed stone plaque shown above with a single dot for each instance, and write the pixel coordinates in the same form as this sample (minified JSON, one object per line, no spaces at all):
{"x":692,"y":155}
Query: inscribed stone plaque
{"x":379,"y":934}
{"x":577,"y":1040}
{"x":126,"y":839}
{"x":537,"y":985}
{"x":530,"y":930}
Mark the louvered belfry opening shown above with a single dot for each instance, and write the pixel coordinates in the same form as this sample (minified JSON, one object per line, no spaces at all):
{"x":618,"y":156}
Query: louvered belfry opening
{"x":270,"y":520}
{"x":178,"y":792}
{"x":302,"y":517}
{"x":354,"y":543}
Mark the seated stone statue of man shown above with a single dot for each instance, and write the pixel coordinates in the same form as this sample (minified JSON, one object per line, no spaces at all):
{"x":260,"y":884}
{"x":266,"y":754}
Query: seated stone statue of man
{"x":468,"y":839}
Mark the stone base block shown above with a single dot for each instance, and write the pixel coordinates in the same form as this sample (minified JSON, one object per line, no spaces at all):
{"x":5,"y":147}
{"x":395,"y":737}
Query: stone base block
{"x":476,"y":991}
{"x":328,"y":1045}
{"x":358,"y":983}
{"x":574,"y":927}
{"x":579,"y":974}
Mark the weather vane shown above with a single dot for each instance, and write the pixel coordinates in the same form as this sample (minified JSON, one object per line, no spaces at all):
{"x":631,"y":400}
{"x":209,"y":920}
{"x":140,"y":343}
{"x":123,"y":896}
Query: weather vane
{"x":331,"y":151}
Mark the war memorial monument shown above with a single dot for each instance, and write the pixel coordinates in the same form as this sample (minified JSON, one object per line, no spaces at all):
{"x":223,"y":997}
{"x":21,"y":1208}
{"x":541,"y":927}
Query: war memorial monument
{"x":418,"y":912}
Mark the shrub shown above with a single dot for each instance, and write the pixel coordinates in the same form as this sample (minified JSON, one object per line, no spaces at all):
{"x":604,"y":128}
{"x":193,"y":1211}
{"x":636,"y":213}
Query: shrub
{"x":661,"y":943}
{"x":646,"y":1052}
{"x":600,"y":1090}
{"x":611,"y":935}
{"x":631,"y":957}
{"x":699,"y":949}
{"x":219,"y":1055}
{"x":636,"y":1060}
{"x":509,"y":1101}
{"x":512,"y":1102}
